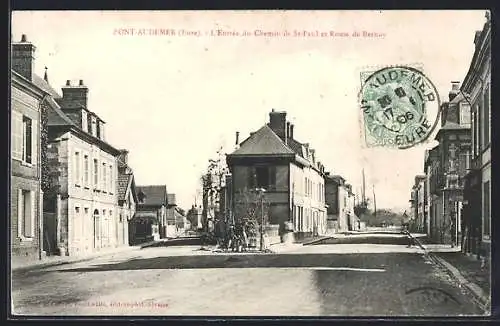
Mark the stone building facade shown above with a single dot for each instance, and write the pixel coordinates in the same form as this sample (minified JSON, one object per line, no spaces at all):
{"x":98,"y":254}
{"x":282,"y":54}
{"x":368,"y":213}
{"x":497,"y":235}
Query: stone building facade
{"x":449,"y":168}
{"x":337,"y":199}
{"x":84,"y":166}
{"x":477,"y":88}
{"x":26,"y":198}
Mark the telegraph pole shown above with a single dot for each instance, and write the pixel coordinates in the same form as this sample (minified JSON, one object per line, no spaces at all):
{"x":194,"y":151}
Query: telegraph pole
{"x":374,"y":202}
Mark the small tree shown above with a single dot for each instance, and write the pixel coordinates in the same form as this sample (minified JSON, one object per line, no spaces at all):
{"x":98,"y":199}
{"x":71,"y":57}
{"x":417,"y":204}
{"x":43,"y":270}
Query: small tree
{"x":251,"y":211}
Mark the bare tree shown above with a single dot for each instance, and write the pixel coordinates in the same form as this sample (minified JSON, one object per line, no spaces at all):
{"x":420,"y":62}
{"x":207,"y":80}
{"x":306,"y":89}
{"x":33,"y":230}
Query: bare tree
{"x":212,"y":184}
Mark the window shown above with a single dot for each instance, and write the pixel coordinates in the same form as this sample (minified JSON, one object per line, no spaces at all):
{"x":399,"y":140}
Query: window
{"x":475,"y":132}
{"x":262,"y":177}
{"x":486,"y":210}
{"x":86,"y":176}
{"x":111,"y":179}
{"x":27,"y":140}
{"x":26,"y":213}
{"x":77,"y":168}
{"x":85,"y":119}
{"x":486,"y":117}
{"x":23,"y":138}
{"x":464,"y":114}
{"x":478,"y":129}
{"x":104,"y":172}
{"x":96,"y":174}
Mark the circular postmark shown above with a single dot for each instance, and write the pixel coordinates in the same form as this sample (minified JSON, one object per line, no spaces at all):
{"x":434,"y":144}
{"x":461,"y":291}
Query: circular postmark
{"x":400,"y":107}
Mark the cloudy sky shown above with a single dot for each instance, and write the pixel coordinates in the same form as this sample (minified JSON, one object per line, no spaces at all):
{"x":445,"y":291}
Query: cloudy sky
{"x":174,"y":100}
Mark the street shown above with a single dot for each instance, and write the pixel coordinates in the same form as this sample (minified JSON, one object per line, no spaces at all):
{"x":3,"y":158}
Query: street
{"x":359,"y":275}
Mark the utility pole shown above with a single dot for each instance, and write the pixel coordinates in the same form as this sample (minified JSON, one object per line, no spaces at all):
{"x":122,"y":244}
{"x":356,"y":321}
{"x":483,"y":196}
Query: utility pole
{"x":363,"y":194}
{"x":374,"y":202}
{"x":261,"y":221}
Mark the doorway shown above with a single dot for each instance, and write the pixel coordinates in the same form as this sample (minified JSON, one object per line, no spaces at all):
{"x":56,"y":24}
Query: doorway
{"x":97,"y":230}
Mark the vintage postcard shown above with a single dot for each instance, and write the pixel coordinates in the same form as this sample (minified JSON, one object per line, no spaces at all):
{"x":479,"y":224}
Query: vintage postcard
{"x":250,"y":163}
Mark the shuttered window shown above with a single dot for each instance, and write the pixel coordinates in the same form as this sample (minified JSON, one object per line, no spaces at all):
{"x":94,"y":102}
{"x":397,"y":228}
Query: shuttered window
{"x":27,"y":140}
{"x":86,"y":176}
{"x":96,"y":174}
{"x":111,"y":179}
{"x":17,"y":135}
{"x":486,"y":117}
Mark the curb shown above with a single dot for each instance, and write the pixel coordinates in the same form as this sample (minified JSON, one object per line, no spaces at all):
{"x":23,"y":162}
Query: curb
{"x":64,"y":262}
{"x":477,"y":293}
{"x":310,"y":242}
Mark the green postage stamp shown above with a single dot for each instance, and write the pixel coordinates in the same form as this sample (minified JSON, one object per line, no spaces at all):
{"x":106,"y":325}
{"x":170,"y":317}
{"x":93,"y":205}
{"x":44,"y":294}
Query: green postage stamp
{"x":400,"y":107}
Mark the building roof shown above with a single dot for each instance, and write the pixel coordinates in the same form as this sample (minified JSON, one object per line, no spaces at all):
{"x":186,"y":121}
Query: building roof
{"x":263,"y":142}
{"x":56,"y":116}
{"x":153,"y":195}
{"x":124,"y":180}
{"x":41,"y":83}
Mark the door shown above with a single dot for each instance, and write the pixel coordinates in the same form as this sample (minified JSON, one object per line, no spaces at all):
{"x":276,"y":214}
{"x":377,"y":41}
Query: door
{"x":97,"y":230}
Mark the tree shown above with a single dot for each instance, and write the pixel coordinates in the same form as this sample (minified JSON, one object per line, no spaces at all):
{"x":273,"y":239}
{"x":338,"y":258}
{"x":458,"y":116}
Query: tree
{"x":361,"y":208}
{"x":212,"y":183}
{"x":250,"y":211}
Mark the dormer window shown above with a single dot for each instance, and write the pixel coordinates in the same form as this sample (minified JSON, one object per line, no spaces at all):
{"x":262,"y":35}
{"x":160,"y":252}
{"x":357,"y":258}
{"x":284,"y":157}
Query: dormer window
{"x":85,"y":123}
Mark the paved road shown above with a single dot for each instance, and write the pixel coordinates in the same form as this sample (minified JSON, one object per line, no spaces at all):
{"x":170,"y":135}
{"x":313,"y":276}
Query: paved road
{"x":367,"y":276}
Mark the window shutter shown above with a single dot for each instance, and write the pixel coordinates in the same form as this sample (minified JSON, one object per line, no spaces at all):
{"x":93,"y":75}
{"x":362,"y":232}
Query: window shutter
{"x":17,"y":139}
{"x":20,"y":212}
{"x":29,"y":223}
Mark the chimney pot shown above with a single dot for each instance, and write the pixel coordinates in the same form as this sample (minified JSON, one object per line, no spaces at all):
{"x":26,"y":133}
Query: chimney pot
{"x":81,"y":82}
{"x":68,"y":83}
{"x":24,"y":38}
{"x":237,"y":138}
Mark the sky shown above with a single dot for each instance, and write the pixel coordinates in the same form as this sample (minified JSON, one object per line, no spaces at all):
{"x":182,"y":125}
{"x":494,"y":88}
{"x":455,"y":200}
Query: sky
{"x":174,"y":100}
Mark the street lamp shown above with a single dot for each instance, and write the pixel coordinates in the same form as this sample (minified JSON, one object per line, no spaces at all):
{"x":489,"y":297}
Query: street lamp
{"x":261,"y":192}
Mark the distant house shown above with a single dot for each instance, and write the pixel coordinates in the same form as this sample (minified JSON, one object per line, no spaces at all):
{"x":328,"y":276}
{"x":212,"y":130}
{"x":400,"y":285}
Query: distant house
{"x":271,"y":158}
{"x":149,"y":220}
{"x":172,"y":221}
{"x":195,"y":217}
{"x":337,"y":199}
{"x":127,"y":198}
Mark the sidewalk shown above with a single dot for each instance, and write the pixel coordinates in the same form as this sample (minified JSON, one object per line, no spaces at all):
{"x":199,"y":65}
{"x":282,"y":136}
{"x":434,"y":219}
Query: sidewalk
{"x":464,"y":269}
{"x":50,"y":261}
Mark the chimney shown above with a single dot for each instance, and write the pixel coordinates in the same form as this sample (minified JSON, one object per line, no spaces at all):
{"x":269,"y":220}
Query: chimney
{"x":455,"y":89}
{"x":237,"y":138}
{"x":277,"y":122}
{"x":23,"y":58}
{"x":74,"y":97}
{"x":291,"y":131}
{"x":313,"y":156}
{"x":288,"y":129}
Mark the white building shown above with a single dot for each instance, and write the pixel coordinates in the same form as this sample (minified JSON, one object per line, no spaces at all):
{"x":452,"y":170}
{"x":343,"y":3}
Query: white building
{"x":84,"y":166}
